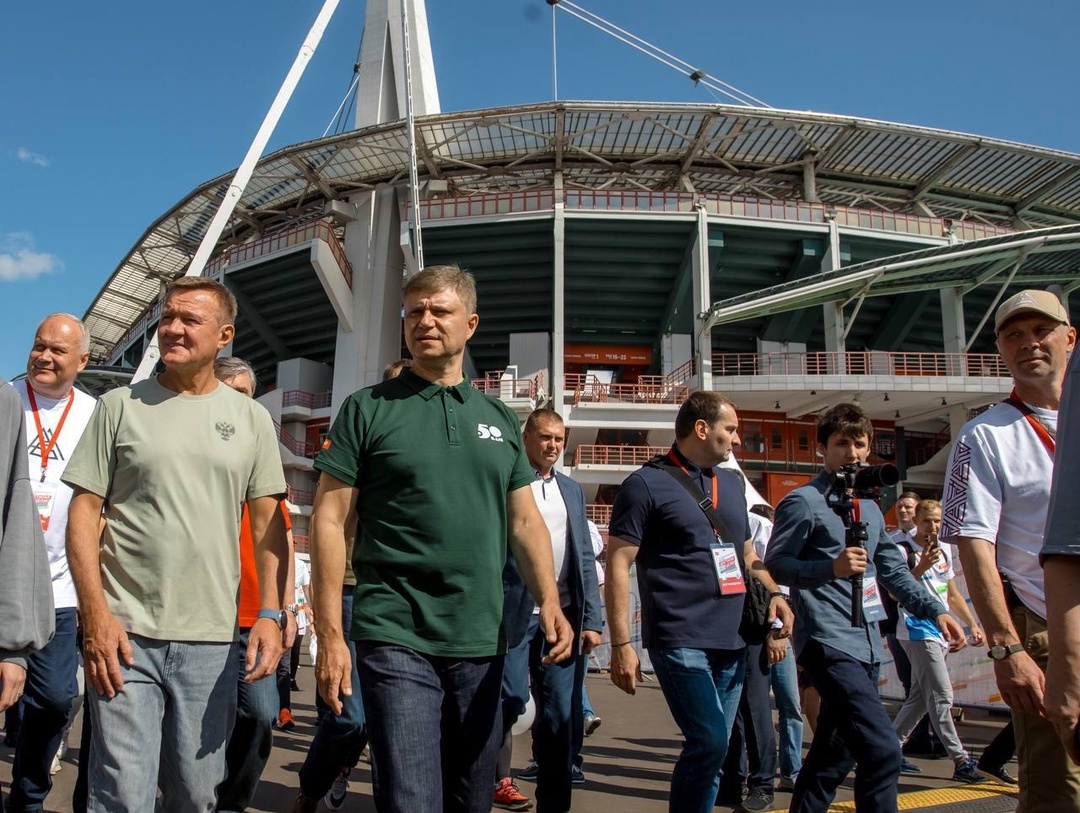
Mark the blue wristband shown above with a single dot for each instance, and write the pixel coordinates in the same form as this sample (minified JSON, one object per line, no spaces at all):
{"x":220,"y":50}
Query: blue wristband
{"x":273,"y":615}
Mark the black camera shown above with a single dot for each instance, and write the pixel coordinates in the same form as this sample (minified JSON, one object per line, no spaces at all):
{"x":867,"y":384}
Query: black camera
{"x":862,"y":480}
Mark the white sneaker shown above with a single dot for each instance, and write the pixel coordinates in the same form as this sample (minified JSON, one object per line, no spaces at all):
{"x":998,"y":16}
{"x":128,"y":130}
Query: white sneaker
{"x":335,"y":797}
{"x":55,"y":769}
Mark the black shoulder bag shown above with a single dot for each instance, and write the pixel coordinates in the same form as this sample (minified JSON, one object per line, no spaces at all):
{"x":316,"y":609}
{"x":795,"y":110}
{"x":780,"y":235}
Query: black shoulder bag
{"x":755,"y":625}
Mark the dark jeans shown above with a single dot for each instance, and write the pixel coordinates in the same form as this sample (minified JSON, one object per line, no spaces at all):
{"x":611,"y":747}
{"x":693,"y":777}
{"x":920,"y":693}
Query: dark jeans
{"x":252,"y":736}
{"x":852,"y":721}
{"x":557,"y":688}
{"x":338,"y":741}
{"x":435,"y":728}
{"x":702,"y":688}
{"x":46,"y":705}
{"x":286,"y":673}
{"x":1000,"y":750}
{"x":753,"y":740}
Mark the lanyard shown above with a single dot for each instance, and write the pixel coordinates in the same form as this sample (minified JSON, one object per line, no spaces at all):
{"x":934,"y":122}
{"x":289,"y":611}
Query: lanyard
{"x":1040,"y":430}
{"x":43,"y":447}
{"x":715,"y":488}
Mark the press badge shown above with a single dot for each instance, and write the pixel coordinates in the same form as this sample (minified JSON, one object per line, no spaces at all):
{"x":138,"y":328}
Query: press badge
{"x":44,"y":497}
{"x":873,"y":609}
{"x":728,"y":572}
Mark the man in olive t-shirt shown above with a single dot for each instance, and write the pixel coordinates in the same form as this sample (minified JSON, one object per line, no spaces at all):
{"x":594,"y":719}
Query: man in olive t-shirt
{"x":441,"y":485}
{"x":171,"y":460}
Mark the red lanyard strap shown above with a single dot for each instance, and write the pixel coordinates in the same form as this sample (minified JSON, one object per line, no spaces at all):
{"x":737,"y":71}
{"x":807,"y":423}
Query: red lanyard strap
{"x":1040,"y":429}
{"x":43,"y":447}
{"x":715,"y":487}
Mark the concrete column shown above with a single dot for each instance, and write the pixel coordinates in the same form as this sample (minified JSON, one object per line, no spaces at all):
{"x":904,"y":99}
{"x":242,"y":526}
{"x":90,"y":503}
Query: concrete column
{"x":833,"y":312}
{"x":702,"y":299}
{"x":557,"y":385}
{"x":953,"y":330}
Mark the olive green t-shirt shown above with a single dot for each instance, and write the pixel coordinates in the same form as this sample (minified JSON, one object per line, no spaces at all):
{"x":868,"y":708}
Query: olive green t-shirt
{"x":175,"y":471}
{"x":433,"y":466}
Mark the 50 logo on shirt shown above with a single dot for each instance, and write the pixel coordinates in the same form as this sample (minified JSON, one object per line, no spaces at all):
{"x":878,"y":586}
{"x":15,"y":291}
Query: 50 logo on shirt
{"x":487,"y":432}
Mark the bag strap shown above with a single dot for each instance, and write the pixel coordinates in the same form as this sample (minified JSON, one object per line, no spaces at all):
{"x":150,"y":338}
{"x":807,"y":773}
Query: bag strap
{"x":718,"y":525}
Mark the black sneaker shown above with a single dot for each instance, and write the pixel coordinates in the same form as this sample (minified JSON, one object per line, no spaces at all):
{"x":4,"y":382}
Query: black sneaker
{"x":528,"y":773}
{"x":967,"y":773}
{"x":577,"y":776}
{"x":1001,"y":774}
{"x":758,"y":799}
{"x":909,"y":767}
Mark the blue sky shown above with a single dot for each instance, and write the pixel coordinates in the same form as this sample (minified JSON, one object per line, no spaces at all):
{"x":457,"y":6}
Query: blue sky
{"x":110,"y":114}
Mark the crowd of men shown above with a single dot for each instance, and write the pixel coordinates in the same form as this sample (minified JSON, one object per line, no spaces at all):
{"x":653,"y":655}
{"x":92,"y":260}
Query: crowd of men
{"x":152,"y":524}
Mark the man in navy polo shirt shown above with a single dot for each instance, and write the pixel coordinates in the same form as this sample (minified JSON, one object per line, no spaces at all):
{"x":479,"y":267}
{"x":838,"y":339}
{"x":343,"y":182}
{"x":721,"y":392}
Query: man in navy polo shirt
{"x":692,"y":599}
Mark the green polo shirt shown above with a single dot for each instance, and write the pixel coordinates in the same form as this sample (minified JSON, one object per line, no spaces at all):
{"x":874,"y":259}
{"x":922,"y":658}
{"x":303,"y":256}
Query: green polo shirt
{"x":432,"y":466}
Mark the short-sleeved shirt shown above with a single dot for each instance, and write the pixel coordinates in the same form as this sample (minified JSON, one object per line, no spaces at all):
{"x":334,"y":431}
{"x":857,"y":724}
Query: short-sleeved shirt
{"x":53,"y":496}
{"x":432,"y":466}
{"x":1063,"y":515}
{"x":250,"y":601}
{"x":175,"y":471}
{"x":997,"y":488}
{"x":936,"y":581}
{"x":681,"y":602}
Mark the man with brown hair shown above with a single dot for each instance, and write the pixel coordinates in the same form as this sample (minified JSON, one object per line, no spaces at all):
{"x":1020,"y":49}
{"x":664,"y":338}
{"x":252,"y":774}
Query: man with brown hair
{"x":810,"y":553}
{"x":171,"y":460}
{"x":441,"y":486}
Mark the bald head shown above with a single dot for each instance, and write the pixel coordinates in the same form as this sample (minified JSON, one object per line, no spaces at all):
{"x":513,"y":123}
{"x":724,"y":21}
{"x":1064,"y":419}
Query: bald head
{"x":60,"y":352}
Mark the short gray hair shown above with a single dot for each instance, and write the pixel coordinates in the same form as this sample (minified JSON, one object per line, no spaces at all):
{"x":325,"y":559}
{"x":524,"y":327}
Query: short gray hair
{"x":228,"y":367}
{"x":84,"y":334}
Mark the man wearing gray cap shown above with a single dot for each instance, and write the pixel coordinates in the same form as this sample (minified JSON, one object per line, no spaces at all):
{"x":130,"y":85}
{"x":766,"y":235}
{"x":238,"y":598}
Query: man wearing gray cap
{"x":996,"y":496}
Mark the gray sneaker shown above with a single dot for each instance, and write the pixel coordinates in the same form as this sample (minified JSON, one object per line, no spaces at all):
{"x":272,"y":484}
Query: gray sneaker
{"x":335,"y":797}
{"x":967,"y":773}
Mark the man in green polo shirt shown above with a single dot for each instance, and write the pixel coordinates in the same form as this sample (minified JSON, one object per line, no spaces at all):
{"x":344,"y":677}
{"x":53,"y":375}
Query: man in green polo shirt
{"x":441,"y":485}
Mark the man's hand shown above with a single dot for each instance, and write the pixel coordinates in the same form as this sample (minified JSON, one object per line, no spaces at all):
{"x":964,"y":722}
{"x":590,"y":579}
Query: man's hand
{"x":776,"y":648}
{"x":590,"y":640}
{"x":12,"y":680}
{"x":263,"y":650}
{"x":850,"y":562}
{"x":333,"y":671}
{"x":927,"y":559}
{"x":779,"y":608}
{"x":953,"y":632}
{"x":978,"y":637}
{"x":625,"y":668}
{"x":1021,"y":682}
{"x":557,"y":632}
{"x":103,"y":640}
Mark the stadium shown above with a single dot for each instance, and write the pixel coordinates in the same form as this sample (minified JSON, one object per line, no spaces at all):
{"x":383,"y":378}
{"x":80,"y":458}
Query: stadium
{"x":626,"y":254}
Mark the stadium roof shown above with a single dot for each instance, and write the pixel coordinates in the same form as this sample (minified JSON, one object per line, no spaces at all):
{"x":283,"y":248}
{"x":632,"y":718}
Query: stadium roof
{"x":1035,"y":258}
{"x":706,"y":149}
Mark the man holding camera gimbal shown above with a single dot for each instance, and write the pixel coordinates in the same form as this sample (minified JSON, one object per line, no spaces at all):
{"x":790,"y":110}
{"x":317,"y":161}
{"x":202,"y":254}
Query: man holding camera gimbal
{"x":827,"y":545}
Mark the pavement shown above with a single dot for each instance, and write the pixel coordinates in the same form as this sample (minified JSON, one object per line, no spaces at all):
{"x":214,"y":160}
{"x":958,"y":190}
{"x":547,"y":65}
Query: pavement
{"x":628,"y":762}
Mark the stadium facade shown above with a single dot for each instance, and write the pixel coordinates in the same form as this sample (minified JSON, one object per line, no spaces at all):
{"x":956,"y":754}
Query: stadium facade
{"x":626,"y":254}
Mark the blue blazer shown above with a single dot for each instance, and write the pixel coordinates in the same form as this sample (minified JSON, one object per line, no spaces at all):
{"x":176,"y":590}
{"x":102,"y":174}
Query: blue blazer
{"x":585,"y":612}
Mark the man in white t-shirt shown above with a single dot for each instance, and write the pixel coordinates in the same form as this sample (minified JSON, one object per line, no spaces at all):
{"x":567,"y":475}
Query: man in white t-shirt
{"x":995,"y":506}
{"x":56,"y":415}
{"x":931,"y":688}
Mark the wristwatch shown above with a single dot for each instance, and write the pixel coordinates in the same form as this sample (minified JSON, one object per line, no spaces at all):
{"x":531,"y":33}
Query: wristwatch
{"x":276,"y":615}
{"x":292,"y":608}
{"x":1000,"y":653}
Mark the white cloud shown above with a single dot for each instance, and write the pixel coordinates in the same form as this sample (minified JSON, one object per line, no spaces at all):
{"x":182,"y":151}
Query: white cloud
{"x":29,"y":157}
{"x":19,"y":260}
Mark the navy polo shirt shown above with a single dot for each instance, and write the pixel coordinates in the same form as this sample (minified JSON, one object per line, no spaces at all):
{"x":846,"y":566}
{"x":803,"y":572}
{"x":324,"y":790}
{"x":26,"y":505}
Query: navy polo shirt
{"x":681,"y":602}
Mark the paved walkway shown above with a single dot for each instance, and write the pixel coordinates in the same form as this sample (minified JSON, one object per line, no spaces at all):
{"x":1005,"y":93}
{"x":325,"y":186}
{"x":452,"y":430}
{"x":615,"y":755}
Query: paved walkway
{"x":628,"y":762}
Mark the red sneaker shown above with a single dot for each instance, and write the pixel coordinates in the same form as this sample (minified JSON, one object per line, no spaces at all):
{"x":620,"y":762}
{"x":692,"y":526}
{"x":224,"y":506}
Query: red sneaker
{"x":508,"y":797}
{"x":285,"y":720}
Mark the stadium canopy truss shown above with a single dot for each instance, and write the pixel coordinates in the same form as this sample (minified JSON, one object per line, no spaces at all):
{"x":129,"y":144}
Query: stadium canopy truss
{"x":705,"y":150}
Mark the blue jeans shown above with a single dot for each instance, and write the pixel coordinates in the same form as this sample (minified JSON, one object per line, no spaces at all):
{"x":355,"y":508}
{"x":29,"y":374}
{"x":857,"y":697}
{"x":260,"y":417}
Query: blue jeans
{"x":435,"y":728}
{"x":785,"y":686}
{"x":702,"y":688}
{"x":165,"y":728}
{"x":852,"y":721}
{"x":252,"y":735}
{"x":50,"y":688}
{"x":338,"y":741}
{"x":557,"y":688}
